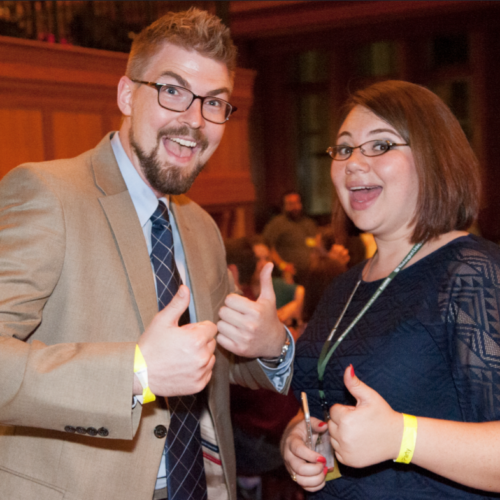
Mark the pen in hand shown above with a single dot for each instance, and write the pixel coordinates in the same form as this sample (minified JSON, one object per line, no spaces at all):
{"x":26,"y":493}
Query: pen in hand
{"x":305,"y":406}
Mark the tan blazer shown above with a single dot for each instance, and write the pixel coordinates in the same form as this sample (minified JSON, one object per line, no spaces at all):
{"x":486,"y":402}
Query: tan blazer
{"x":76,"y":292}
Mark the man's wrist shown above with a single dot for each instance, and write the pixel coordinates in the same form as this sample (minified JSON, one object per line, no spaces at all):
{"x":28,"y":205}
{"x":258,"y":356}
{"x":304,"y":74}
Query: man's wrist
{"x":277,"y":360}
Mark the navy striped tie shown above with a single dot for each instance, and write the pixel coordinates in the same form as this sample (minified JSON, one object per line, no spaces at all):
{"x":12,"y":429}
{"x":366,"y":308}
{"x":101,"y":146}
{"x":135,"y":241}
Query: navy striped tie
{"x":183,"y":454}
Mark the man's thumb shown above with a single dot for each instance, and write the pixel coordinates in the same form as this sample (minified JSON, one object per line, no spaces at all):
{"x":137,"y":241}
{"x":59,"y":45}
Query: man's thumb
{"x":174,"y":309}
{"x":358,"y":389}
{"x":266,"y":283}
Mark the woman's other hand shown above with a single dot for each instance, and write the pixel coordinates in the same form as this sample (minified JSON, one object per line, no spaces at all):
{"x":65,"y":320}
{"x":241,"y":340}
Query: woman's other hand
{"x":305,"y":466}
{"x":368,"y":433}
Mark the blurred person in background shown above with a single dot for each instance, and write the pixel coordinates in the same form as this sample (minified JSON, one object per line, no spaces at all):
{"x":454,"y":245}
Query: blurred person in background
{"x":289,"y":296}
{"x":291,"y":238}
{"x":329,"y":260}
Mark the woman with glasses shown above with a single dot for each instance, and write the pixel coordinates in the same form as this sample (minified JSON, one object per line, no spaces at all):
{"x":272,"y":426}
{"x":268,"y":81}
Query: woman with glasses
{"x":401,"y":360}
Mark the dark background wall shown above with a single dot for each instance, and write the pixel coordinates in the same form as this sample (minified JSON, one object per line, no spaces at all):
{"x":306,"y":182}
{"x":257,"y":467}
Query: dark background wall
{"x":308,"y":56}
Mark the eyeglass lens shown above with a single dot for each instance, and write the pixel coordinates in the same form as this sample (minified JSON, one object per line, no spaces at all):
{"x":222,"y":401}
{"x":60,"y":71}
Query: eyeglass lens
{"x":179,"y":99}
{"x":370,"y":148}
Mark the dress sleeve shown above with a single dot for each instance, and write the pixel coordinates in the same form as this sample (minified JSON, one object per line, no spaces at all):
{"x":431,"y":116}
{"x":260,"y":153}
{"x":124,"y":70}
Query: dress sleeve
{"x":471,"y":305}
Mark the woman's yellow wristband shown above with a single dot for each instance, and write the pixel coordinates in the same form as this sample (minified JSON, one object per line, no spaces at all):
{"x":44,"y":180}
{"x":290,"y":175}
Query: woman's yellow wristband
{"x":141,"y":370}
{"x":409,"y":439}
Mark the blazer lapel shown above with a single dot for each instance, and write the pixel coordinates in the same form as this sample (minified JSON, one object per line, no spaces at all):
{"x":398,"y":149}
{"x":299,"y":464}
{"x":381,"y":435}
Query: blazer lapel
{"x":199,"y":284}
{"x":124,"y":223}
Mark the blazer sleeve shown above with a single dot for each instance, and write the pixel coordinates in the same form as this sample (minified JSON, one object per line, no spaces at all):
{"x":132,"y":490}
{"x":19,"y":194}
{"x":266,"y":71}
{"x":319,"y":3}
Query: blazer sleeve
{"x":50,"y":386}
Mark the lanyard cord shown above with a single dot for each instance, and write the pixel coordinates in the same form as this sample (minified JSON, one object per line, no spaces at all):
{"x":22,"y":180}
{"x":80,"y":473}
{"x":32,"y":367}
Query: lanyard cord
{"x":328,"y":350}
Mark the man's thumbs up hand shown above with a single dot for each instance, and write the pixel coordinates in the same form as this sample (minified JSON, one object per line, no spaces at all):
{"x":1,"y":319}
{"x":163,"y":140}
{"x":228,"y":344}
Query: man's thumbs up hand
{"x":251,"y":328}
{"x":266,"y":285}
{"x":368,"y":433}
{"x":179,"y":359}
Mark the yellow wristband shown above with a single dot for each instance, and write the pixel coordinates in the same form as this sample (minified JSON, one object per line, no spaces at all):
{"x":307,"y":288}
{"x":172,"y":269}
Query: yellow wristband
{"x":141,"y":370}
{"x":409,"y":439}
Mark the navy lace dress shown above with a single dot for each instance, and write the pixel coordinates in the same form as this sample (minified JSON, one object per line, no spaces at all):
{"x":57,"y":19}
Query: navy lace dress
{"x":430,"y":345}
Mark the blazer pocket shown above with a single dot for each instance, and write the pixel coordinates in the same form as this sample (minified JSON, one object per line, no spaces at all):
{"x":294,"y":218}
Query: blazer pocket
{"x":15,"y":486}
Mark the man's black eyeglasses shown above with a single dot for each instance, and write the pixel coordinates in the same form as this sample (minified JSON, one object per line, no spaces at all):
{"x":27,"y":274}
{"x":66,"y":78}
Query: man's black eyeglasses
{"x":179,"y":99}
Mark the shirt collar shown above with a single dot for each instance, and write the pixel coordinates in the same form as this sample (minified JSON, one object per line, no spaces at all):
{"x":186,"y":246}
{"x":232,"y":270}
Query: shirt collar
{"x":143,"y":197}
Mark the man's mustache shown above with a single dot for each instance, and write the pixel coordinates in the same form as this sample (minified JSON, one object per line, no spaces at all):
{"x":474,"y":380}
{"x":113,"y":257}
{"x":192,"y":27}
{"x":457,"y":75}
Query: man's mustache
{"x":184,"y":131}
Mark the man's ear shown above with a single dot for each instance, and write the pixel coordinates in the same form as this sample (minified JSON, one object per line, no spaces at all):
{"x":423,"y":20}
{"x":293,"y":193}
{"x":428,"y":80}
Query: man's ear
{"x":125,"y":94}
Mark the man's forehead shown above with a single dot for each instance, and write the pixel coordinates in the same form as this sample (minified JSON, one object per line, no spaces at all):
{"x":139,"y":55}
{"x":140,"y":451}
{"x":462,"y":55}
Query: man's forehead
{"x":189,"y":68}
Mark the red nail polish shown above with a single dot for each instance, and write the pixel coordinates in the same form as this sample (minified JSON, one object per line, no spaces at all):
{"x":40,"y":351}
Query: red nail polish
{"x":352,"y":371}
{"x":321,"y":424}
{"x":321,"y":459}
{"x":325,"y":470}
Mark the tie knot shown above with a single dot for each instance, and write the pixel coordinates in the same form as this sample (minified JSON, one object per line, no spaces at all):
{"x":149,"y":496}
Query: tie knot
{"x":160,"y":216}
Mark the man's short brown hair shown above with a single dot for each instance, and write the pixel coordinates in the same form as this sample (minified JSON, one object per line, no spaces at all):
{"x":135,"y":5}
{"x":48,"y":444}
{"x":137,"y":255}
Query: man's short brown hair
{"x":193,"y":29}
{"x":449,"y":184}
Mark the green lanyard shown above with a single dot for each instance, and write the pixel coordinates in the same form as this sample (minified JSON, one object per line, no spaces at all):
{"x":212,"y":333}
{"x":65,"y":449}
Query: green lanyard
{"x":328,"y":350}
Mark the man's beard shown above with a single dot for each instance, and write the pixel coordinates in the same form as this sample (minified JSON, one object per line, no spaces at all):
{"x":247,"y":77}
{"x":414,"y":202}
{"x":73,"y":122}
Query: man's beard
{"x":166,"y":178}
{"x":294,"y":214}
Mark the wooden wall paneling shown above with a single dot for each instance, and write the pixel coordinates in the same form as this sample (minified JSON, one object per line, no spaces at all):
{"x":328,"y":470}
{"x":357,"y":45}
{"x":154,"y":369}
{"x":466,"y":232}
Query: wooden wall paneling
{"x":21,"y":137}
{"x":111,"y":120}
{"x":232,"y":156}
{"x":59,"y":101}
{"x":37,"y":61}
{"x":75,"y":133}
{"x":234,"y":221}
{"x":72,"y":88}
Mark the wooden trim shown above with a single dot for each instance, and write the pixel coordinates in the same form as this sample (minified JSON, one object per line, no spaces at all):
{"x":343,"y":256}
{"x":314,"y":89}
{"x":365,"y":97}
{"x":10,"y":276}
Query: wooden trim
{"x":307,"y":17}
{"x":71,"y":91}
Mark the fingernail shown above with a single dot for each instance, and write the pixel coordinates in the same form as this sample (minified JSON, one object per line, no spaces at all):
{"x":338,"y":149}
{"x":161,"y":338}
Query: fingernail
{"x":325,"y":470}
{"x":321,"y":459}
{"x":352,"y":371}
{"x":321,"y":424}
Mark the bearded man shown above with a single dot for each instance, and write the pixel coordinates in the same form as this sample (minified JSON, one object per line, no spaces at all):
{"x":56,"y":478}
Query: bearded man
{"x":291,"y":236}
{"x":113,"y":384}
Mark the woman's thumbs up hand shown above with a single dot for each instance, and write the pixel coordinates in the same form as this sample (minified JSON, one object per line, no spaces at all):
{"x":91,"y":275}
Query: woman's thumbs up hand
{"x":368,"y":433}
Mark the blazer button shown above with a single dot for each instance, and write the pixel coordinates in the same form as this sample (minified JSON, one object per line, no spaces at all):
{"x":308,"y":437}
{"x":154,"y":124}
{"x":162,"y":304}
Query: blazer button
{"x":91,"y":431}
{"x":70,"y":428}
{"x":81,"y":430}
{"x":103,"y":432}
{"x":160,"y":431}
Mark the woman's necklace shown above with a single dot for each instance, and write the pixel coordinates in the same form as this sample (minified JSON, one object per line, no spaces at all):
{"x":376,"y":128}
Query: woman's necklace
{"x":328,"y":349}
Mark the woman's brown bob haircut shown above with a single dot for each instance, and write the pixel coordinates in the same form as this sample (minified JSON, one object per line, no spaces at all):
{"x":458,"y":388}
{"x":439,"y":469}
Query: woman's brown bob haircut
{"x":448,"y":172}
{"x":193,"y":29}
